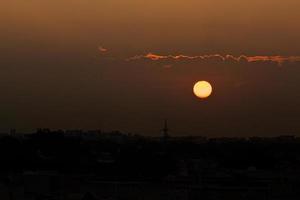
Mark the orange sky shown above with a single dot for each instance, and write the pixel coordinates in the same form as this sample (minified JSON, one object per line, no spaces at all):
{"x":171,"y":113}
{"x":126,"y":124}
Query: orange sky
{"x":270,"y":26}
{"x":63,"y":65}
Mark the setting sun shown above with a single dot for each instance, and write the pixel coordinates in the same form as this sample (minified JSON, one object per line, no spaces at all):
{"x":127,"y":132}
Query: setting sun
{"x":202,"y":89}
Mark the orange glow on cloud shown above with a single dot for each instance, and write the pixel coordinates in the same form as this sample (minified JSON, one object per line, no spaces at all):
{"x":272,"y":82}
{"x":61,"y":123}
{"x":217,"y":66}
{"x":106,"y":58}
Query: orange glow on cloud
{"x":102,"y":49}
{"x":277,"y":59}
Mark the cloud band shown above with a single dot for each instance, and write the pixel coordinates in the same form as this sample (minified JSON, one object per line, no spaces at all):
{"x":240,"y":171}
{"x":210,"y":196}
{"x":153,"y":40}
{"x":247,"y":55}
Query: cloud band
{"x":277,"y":59}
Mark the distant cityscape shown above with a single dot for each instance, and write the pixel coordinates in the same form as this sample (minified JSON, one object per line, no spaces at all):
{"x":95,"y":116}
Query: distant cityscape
{"x":83,"y":165}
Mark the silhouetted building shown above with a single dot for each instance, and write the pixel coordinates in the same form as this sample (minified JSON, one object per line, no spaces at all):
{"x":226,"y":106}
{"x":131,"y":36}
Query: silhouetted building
{"x":165,"y":131}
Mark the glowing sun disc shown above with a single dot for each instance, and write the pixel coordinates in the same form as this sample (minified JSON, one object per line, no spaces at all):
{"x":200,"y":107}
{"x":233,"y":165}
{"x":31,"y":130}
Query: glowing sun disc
{"x":202,"y":89}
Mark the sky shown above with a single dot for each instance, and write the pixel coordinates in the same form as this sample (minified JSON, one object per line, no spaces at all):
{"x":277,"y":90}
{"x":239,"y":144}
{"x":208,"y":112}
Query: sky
{"x":128,"y":65}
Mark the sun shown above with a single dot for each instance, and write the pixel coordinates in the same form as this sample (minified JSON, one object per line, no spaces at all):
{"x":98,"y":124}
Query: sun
{"x":202,"y":89}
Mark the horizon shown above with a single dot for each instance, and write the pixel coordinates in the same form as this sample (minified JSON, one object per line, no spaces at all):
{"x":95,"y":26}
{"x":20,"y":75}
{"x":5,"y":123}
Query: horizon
{"x":160,"y":134}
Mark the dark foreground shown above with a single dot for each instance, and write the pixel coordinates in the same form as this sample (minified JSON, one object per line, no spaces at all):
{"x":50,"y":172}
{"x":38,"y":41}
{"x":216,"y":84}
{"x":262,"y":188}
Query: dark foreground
{"x":75,"y":165}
